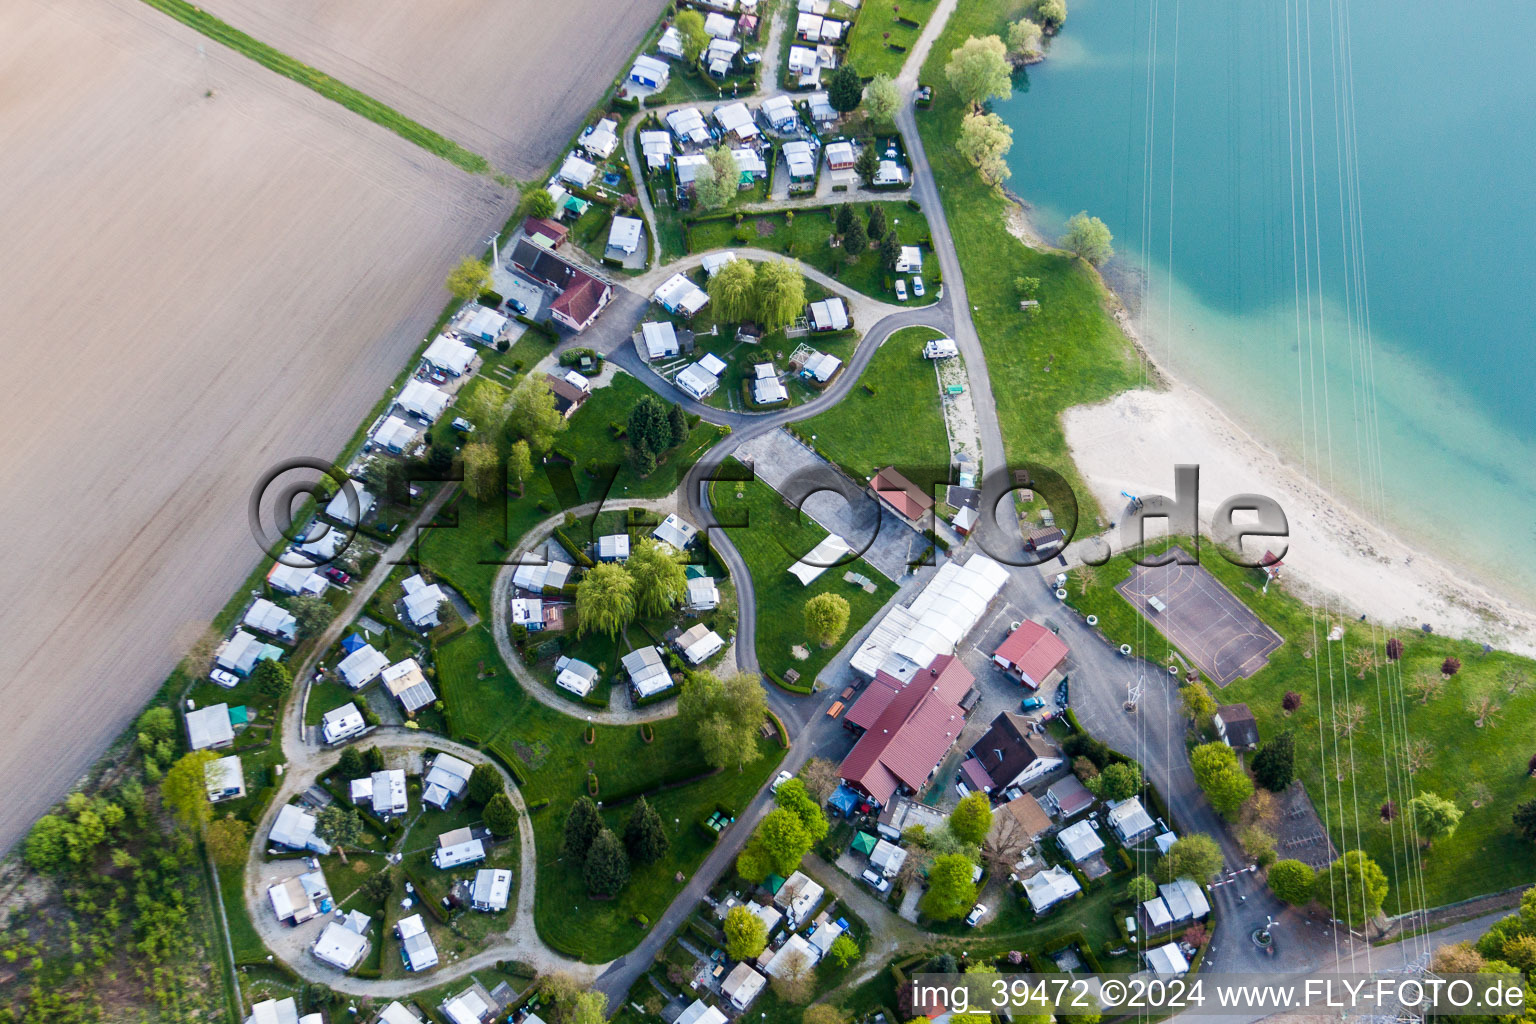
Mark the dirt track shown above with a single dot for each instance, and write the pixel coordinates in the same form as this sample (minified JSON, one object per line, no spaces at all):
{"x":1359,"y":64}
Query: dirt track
{"x":194,"y":289}
{"x":510,"y":79}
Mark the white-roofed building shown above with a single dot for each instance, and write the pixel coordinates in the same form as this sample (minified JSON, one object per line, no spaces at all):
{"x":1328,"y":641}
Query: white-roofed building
{"x":416,"y":950}
{"x":697,"y":381}
{"x":266,"y":617}
{"x":210,"y":728}
{"x":624,"y":237}
{"x":675,"y":532}
{"x":579,"y":172}
{"x":719,"y":26}
{"x":719,"y":57}
{"x":449,"y":354}
{"x":650,"y":72}
{"x":1186,"y":900}
{"x":613,"y":547}
{"x":225,"y":778}
{"x":468,"y":1007}
{"x":1080,"y":841}
{"x":1130,"y":820}
{"x":808,"y":26}
{"x":832,"y":30}
{"x":688,"y":125}
{"x":769,"y":390}
{"x":840,"y":155}
{"x":887,"y":858}
{"x":492,"y":890}
{"x":647,"y":671}
{"x":445,"y":779}
{"x":1167,"y":959}
{"x":689,"y":165}
{"x":295,"y":579}
{"x":801,"y":161}
{"x":742,"y":985}
{"x":820,"y":367}
{"x":702,"y":594}
{"x":362,"y":666}
{"x":795,"y":944}
{"x":698,"y":642}
{"x":750,"y":164}
{"x":713,"y":363}
{"x":294,"y":828}
{"x":769,"y":914}
{"x":910,"y":261}
{"x":700,"y":1012}
{"x":1047,"y":888}
{"x":713,"y":261}
{"x":779,"y":112}
{"x":322,"y":542}
{"x":395,"y":434}
{"x":819,"y":559}
{"x":941,"y":348}
{"x":342,"y":723}
{"x":528,"y":612}
{"x":1154,"y":915}
{"x":405,"y":681}
{"x":422,"y":600}
{"x":671,"y":43}
{"x":799,"y":896}
{"x":804,"y":66}
{"x":384,"y":792}
{"x":660,"y":339}
{"x":908,"y":638}
{"x":240,"y":653}
{"x":396,"y":1013}
{"x":657,"y":148}
{"x":350,"y":510}
{"x":279,"y":1011}
{"x":540,"y":576}
{"x":297,"y":899}
{"x":340,"y":946}
{"x":603,"y":139}
{"x":820,"y":106}
{"x":679,"y":295}
{"x":575,"y":675}
{"x":829,"y":315}
{"x":469,"y":851}
{"x":1165,"y":842}
{"x":423,"y":400}
{"x":480,"y":323}
{"x":735,"y":119}
{"x":824,"y":935}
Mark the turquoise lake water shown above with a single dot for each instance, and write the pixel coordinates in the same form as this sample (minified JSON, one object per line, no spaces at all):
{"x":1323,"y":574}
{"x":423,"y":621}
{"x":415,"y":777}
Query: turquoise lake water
{"x":1327,"y":217}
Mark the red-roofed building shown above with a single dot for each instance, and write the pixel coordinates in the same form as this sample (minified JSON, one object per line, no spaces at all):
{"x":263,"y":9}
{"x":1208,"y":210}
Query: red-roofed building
{"x":901,"y":495}
{"x":1032,"y":654}
{"x":913,"y":731}
{"x":581,"y":301}
{"x":546,"y":232}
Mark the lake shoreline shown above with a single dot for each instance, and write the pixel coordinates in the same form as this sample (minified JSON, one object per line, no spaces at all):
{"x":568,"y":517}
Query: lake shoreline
{"x":1339,"y":560}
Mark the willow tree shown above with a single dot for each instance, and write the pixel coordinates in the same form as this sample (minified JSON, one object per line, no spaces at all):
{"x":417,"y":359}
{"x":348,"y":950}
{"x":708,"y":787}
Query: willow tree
{"x":605,"y":600}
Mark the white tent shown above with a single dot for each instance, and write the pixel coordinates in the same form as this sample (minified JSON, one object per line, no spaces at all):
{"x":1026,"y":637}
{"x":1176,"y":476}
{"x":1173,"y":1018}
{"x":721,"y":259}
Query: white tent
{"x":699,"y":643}
{"x":749,"y":161}
{"x":910,"y":261}
{"x":362,"y":666}
{"x":719,"y":26}
{"x":624,"y":234}
{"x":819,"y":559}
{"x":671,"y":43}
{"x":647,"y":671}
{"x":1167,"y":959}
{"x":266,"y":617}
{"x":395,"y":434}
{"x":1186,"y":900}
{"x":675,"y":532}
{"x":697,"y":381}
{"x":821,"y":107}
{"x":1156,"y":913}
{"x":1129,"y":819}
{"x":797,"y":155}
{"x":340,"y":507}
{"x":780,"y":112}
{"x":769,"y":391}
{"x":422,"y":600}
{"x":677,"y":294}
{"x":822,"y":366}
{"x":829,"y":315}
{"x":295,"y":579}
{"x":416,"y":947}
{"x":907,"y":639}
{"x":575,"y":675}
{"x":712,"y":262}
{"x":340,"y":946}
{"x":480,"y":323}
{"x":424,"y":400}
{"x":210,"y":727}
{"x":449,"y":354}
{"x":613,"y":547}
{"x":342,"y":723}
{"x":736,"y":119}
{"x":395,"y":1013}
{"x":688,"y":124}
{"x":657,"y":147}
{"x":446,"y":857}
{"x":688,"y":167}
{"x":240,"y":653}
{"x":660,"y":339}
{"x":603,"y":140}
{"x":1080,"y":841}
{"x":702,"y":594}
{"x":650,"y":72}
{"x":492,"y":889}
{"x":1049,"y":887}
{"x":295,"y":829}
{"x":405,"y":680}
{"x":537,"y":576}
{"x":577,"y":171}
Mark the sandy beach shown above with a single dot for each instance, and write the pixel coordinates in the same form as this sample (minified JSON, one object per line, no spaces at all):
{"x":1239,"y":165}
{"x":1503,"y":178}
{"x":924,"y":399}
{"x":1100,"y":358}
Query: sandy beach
{"x":1337,"y":558}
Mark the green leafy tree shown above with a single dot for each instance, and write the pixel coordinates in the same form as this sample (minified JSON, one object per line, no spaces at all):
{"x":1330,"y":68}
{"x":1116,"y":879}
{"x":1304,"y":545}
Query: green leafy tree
{"x":1027,"y":287}
{"x":500,"y":815}
{"x":484,"y":783}
{"x":605,"y":600}
{"x":1218,"y":773}
{"x":1292,"y":881}
{"x":351,"y":764}
{"x":971,"y":819}
{"x":733,"y":290}
{"x":378,"y":887}
{"x":607,"y":866}
{"x":537,"y":202}
{"x":157,"y":724}
{"x":866,"y":165}
{"x":951,"y":893}
{"x":184,"y":790}
{"x":826,"y":618}
{"x":1051,"y":14}
{"x":1197,"y":701}
{"x":978,"y":70}
{"x":780,"y":293}
{"x":661,"y":582}
{"x":340,"y":826}
{"x":520,"y":465}
{"x":690,"y":26}
{"x":229,"y":840}
{"x":1024,"y":40}
{"x":715,"y":187}
{"x":1141,"y":888}
{"x":753,"y":864}
{"x":677,"y":421}
{"x":1433,"y":817}
{"x":1258,"y":844}
{"x":845,"y":217}
{"x":745,"y":934}
{"x":781,"y":840}
{"x":796,"y":798}
{"x":47,"y":848}
{"x":724,"y":716}
{"x":486,"y":406}
{"x":844,"y":950}
{"x":644,"y":834}
{"x":1195,"y":856}
{"x":890,"y":252}
{"x":878,"y":228}
{"x":985,"y":140}
{"x":1353,"y":887}
{"x":467,"y":280}
{"x":845,"y":89}
{"x":825,"y":1013}
{"x":1088,"y":238}
{"x":881,"y":99}
{"x":312,"y":615}
{"x":482,"y":471}
{"x":531,"y":412}
{"x":1119,"y":781}
{"x":386,"y":477}
{"x":582,"y":824}
{"x":855,"y":241}
{"x":271,"y":679}
{"x":1274,"y":764}
{"x":648,"y":428}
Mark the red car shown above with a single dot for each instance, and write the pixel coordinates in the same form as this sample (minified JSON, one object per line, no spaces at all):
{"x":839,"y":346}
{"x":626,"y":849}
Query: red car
{"x":335,"y":575}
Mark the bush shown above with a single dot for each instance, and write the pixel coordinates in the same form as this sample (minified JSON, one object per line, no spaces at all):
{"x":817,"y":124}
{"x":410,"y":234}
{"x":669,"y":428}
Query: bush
{"x":490,"y":299}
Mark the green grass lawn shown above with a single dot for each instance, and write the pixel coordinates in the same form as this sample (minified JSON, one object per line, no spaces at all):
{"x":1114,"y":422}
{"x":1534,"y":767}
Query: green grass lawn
{"x":243,"y":937}
{"x":902,"y":423}
{"x":1349,"y":777}
{"x":806,"y":239}
{"x":878,"y":30}
{"x":1072,"y":353}
{"x":771,"y":533}
{"x":550,"y":751}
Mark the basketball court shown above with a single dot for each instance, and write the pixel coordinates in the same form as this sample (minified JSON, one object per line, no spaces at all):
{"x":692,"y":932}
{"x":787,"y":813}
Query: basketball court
{"x":1202,"y":618}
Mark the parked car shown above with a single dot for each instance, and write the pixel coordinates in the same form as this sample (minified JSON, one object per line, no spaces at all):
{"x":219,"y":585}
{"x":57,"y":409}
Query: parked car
{"x":779,"y":780}
{"x":976,"y":914}
{"x":518,"y":306}
{"x":901,"y":289}
{"x":917,"y":287}
{"x":1032,"y":704}
{"x":876,"y":880}
{"x":752,"y":59}
{"x":1061,"y":694}
{"x":228,"y":680}
{"x":924,"y":95}
{"x":335,"y":575}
